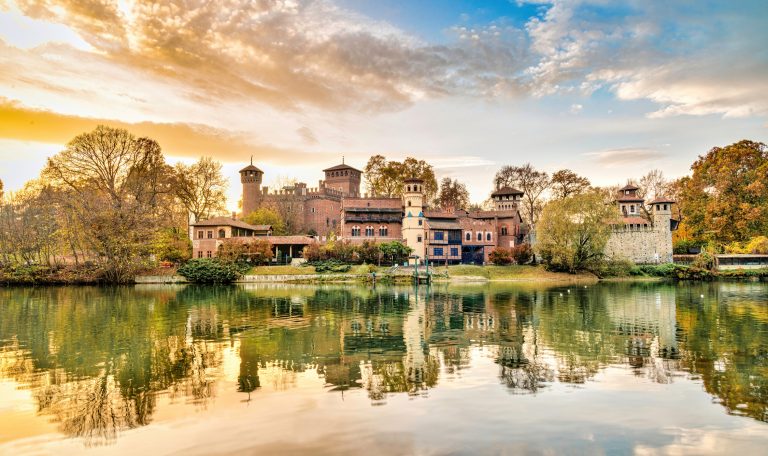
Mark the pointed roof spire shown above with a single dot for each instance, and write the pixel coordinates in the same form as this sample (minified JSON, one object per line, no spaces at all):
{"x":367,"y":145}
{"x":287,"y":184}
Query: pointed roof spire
{"x":342,"y":159}
{"x":251,"y":160}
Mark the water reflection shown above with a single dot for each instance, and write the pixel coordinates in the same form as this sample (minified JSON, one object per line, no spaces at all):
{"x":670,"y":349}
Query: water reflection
{"x":97,"y":360}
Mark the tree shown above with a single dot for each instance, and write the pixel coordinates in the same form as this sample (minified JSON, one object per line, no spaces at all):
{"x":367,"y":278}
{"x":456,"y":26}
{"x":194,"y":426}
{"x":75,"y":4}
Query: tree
{"x":113,"y":183}
{"x":726,"y":197}
{"x":452,"y":195}
{"x":500,"y":256}
{"x":531,"y":182}
{"x":201,"y":187}
{"x":172,"y":244}
{"x":396,"y":252}
{"x":573,"y":232}
{"x":653,"y":185}
{"x":267,"y":216}
{"x":566,"y":183}
{"x":385,"y":178}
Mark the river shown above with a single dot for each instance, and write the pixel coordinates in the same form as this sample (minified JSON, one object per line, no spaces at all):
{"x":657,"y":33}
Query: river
{"x":615,"y":368}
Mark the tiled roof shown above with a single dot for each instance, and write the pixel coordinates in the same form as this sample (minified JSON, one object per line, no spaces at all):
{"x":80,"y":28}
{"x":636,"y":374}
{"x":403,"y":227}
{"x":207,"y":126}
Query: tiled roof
{"x":662,"y":199}
{"x":635,"y":221}
{"x":373,"y":204}
{"x":251,"y":168}
{"x":440,"y":214}
{"x":296,"y":239}
{"x":629,"y":199}
{"x":443,"y":225}
{"x":507,"y":191}
{"x":227,"y":221}
{"x":629,"y":187}
{"x":341,"y":166}
{"x":493,"y":214}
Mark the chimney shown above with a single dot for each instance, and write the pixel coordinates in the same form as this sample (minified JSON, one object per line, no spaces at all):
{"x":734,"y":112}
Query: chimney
{"x":234,"y":215}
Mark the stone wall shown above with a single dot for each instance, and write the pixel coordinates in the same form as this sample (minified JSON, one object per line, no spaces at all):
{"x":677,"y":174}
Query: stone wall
{"x":642,"y":246}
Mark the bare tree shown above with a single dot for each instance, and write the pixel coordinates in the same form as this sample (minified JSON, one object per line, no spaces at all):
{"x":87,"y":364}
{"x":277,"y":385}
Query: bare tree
{"x":531,"y":182}
{"x":115,"y":186}
{"x":653,"y":185}
{"x":200,"y":187}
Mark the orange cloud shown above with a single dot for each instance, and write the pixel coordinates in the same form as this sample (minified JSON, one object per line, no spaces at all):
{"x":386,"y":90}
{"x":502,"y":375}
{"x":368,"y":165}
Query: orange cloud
{"x":177,"y":139}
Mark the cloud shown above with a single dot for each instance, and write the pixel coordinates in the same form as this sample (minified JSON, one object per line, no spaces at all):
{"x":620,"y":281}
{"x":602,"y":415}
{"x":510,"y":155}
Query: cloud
{"x":178,"y":140}
{"x":307,"y":135}
{"x":625,"y":156}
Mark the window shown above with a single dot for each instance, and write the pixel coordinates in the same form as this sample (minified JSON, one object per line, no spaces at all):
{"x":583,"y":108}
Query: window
{"x":503,"y":230}
{"x":210,"y":235}
{"x":479,"y":236}
{"x":383,"y":231}
{"x":199,"y":253}
{"x":200,"y":235}
{"x":418,"y":238}
{"x":631,"y":208}
{"x":439,"y":235}
{"x":208,"y":254}
{"x":454,"y":251}
{"x":409,"y":202}
{"x":355,"y":231}
{"x":487,"y":236}
{"x":438,"y":251}
{"x":408,"y":189}
{"x":369,"y":231}
{"x":420,"y":222}
{"x":468,"y":236}
{"x":665,"y":207}
{"x":222,"y":233}
{"x":313,"y":210}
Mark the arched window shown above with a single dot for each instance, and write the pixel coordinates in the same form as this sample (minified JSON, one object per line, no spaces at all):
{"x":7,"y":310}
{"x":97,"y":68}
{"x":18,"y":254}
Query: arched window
{"x":503,"y":230}
{"x":355,"y":231}
{"x":408,"y":188}
{"x":665,"y":207}
{"x":222,"y":233}
{"x":383,"y":231}
{"x":487,"y":236}
{"x":409,"y":202}
{"x":479,"y":236}
{"x":468,"y":236}
{"x":369,"y":231}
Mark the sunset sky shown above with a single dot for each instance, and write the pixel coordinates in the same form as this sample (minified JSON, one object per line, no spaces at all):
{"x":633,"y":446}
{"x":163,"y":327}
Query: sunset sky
{"x":609,"y":90}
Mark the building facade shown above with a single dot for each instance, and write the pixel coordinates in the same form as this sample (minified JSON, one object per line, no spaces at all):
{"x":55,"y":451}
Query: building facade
{"x":643,"y":234}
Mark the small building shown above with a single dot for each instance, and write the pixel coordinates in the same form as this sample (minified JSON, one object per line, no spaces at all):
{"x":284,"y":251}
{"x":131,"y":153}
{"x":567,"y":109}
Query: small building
{"x":372,"y":219}
{"x":209,"y":235}
{"x":727,"y":262}
{"x":443,"y":236}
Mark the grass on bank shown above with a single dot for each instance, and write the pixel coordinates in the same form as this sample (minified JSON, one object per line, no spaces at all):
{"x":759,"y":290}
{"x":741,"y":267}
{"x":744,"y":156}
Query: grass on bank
{"x":511,"y":272}
{"x":309,"y":269}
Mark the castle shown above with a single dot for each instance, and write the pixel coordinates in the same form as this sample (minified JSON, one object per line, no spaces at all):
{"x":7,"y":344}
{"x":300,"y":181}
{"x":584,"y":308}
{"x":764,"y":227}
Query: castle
{"x":644,"y":234}
{"x":449,"y":236}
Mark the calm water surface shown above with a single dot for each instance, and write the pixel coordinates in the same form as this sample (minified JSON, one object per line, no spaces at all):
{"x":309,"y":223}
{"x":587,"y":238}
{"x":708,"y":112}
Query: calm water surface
{"x":609,"y":368}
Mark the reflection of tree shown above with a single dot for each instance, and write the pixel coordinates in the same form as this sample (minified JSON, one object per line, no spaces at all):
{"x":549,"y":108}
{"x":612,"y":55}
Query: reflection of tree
{"x":104,"y":353}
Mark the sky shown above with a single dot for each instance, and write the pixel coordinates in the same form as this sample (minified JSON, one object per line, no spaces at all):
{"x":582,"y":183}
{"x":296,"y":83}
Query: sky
{"x":608,"y":89}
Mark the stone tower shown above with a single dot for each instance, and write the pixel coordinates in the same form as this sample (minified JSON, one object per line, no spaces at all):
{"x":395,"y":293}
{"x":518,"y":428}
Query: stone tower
{"x":413,"y":216}
{"x":343,"y":178}
{"x":250,"y":177}
{"x":661,"y":210}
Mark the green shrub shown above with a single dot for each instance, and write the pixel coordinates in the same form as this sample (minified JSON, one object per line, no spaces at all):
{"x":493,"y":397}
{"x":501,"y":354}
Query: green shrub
{"x":613,"y":268}
{"x":210,"y":270}
{"x":704,"y":260}
{"x":330,"y":266}
{"x":687,"y":246}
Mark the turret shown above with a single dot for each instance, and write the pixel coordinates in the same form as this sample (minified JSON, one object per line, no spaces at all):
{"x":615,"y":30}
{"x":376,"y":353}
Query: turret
{"x":506,"y":198}
{"x":661,"y":208}
{"x":250,"y":177}
{"x":630,"y":204}
{"x":413,"y":216}
{"x":343,"y":178}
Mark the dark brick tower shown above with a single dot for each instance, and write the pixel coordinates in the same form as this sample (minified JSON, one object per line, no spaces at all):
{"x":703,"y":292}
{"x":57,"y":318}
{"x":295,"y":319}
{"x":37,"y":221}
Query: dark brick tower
{"x":250,"y":177}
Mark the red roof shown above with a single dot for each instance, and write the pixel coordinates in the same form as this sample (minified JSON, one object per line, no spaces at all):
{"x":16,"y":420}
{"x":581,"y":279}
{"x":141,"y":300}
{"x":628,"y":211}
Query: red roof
{"x":504,"y":191}
{"x":251,"y":168}
{"x":662,"y":199}
{"x":341,"y":166}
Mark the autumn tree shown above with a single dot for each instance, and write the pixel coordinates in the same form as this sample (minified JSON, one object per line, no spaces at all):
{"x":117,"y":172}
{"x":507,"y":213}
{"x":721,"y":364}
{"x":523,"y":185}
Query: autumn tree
{"x":385,"y":178}
{"x":652,"y":185}
{"x":452,"y":194}
{"x":531,"y":182}
{"x":201,"y":187}
{"x":114,"y":184}
{"x":572,"y":232}
{"x":566,"y":183}
{"x":267,"y":216}
{"x":726,"y":197}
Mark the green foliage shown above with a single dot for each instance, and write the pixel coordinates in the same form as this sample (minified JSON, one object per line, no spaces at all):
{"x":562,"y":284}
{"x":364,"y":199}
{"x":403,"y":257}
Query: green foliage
{"x":385,"y":178}
{"x":395,"y":252}
{"x":330,"y":266}
{"x":705,"y":261}
{"x":253,"y":250}
{"x":172,"y":244}
{"x":268,"y":216}
{"x":616,"y":267}
{"x":667,"y":270}
{"x":500,"y":256}
{"x":522,"y":254}
{"x":368,"y":252}
{"x":453,"y":194}
{"x":687,"y":246}
{"x":573,"y":232}
{"x":210,"y":270}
